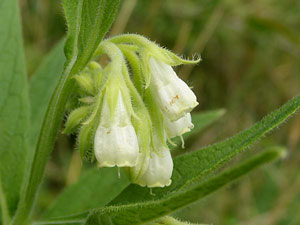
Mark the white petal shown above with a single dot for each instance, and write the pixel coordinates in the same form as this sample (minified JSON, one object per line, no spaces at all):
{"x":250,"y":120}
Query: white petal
{"x":116,"y":146}
{"x":162,"y":72}
{"x":159,"y":170}
{"x":178,"y":127}
{"x":173,"y":94}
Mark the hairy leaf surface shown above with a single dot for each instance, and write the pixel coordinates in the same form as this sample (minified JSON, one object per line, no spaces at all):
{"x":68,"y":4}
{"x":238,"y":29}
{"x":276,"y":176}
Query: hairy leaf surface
{"x":143,"y":212}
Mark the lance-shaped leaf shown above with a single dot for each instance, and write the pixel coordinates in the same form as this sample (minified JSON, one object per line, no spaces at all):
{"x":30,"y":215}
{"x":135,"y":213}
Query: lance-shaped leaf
{"x":87,"y":21}
{"x":14,"y":107}
{"x":193,"y":166}
{"x":141,"y":213}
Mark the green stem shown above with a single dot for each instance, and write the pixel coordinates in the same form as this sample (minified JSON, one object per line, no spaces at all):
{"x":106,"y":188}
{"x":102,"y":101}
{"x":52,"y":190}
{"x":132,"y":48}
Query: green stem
{"x":106,"y":47}
{"x":152,"y":48}
{"x":48,"y":132}
{"x":52,"y":120}
{"x":132,"y":39}
{"x":135,"y":65}
{"x":116,"y":55}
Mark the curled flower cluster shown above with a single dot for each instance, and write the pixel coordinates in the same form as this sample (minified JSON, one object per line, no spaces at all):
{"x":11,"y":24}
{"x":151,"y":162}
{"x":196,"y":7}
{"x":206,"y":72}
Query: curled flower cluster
{"x":128,"y":106}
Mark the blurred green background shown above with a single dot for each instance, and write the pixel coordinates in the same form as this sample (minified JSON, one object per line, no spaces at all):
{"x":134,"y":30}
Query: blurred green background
{"x":250,"y":52}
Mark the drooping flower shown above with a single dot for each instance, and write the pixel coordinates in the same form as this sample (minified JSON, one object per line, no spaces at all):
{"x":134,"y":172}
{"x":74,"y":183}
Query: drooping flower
{"x":153,"y":169}
{"x":115,"y":141}
{"x":173,"y":94}
{"x":159,"y":171}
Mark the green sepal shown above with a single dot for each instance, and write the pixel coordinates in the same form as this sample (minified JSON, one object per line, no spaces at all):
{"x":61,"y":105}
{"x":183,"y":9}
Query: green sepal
{"x":96,"y":109}
{"x":145,"y":67}
{"x":135,"y":65}
{"x":75,"y":118}
{"x":85,"y":138}
{"x":139,"y":170}
{"x":143,"y":129}
{"x":127,"y":100}
{"x":157,"y":118}
{"x":112,"y":91}
{"x":174,"y":60}
{"x":125,"y":90}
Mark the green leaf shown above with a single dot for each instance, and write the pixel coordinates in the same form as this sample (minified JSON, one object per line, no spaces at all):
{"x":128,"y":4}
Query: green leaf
{"x":14,"y":107}
{"x":88,"y":21}
{"x":96,"y":188}
{"x":201,"y":121}
{"x":41,"y":87}
{"x":148,"y":211}
{"x":191,"y":167}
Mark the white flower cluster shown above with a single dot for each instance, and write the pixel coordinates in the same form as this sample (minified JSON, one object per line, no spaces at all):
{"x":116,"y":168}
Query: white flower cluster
{"x":126,"y":118}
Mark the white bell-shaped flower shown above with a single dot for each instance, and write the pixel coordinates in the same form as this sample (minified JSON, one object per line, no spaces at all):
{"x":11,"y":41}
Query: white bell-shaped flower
{"x":173,"y":94}
{"x":178,"y":127}
{"x":115,"y":141}
{"x":159,"y":168}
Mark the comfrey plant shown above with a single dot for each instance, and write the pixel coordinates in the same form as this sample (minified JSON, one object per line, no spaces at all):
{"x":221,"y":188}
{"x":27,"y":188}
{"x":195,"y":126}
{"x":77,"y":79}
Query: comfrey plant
{"x":126,"y":118}
{"x":128,"y":107}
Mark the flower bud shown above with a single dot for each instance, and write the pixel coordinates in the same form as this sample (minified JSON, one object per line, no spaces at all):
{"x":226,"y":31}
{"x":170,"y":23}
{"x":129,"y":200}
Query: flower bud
{"x":85,"y":82}
{"x":178,"y":127}
{"x":173,"y":94}
{"x":115,"y":142}
{"x":75,"y":118}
